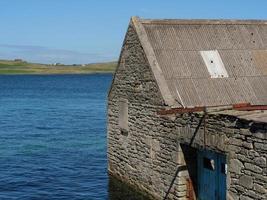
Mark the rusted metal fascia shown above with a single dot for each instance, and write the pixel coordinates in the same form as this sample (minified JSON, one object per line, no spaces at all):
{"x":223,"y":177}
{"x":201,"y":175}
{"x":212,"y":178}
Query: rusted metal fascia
{"x":251,"y":108}
{"x":238,"y":107}
{"x":241,"y":105}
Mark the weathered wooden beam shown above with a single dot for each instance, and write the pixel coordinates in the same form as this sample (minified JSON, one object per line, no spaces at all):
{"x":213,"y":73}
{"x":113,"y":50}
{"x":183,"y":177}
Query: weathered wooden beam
{"x":181,"y":110}
{"x":239,"y":107}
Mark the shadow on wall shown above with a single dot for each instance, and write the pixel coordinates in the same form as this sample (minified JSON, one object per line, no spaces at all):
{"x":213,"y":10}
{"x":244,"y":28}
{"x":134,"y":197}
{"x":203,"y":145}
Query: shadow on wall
{"x":121,"y":191}
{"x":190,"y":157}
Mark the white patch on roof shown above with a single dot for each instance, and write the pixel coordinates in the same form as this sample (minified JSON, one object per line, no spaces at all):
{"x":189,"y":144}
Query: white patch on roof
{"x":214,"y":64}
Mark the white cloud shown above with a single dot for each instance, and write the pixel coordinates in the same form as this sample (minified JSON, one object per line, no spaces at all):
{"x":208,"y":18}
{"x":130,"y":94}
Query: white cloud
{"x":48,"y":55}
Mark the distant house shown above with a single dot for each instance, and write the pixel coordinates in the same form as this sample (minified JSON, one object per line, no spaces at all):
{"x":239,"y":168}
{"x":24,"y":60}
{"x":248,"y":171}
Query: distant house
{"x":187,"y":109}
{"x":18,"y":60}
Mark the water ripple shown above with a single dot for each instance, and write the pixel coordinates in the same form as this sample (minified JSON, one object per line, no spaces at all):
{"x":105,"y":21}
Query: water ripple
{"x":53,"y":139}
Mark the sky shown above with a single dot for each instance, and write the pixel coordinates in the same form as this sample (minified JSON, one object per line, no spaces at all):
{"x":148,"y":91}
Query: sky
{"x":89,"y":31}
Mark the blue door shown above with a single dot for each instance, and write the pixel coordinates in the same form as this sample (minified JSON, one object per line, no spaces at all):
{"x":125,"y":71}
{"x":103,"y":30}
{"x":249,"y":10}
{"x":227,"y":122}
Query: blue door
{"x":212,"y":171}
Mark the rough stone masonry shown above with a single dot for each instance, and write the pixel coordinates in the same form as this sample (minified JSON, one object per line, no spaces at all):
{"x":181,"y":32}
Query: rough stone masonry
{"x":156,"y":153}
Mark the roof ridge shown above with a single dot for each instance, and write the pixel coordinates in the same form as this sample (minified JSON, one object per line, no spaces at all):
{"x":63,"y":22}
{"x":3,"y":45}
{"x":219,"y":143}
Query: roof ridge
{"x":203,"y":21}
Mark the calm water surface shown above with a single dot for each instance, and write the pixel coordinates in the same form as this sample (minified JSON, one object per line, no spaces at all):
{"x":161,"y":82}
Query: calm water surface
{"x":53,"y":138}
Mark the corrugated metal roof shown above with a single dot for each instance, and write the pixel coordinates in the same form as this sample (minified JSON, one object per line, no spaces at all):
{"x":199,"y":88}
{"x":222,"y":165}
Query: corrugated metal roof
{"x":206,"y":37}
{"x":242,"y":46}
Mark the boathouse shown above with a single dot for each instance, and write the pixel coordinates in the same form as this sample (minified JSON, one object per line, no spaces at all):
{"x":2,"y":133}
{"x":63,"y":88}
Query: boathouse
{"x":187,"y":107}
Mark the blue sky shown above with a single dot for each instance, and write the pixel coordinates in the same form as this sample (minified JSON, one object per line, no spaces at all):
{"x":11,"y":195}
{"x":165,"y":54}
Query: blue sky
{"x":85,"y":31}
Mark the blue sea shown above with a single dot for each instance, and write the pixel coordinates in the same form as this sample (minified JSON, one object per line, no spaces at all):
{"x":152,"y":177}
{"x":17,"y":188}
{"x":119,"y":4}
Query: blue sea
{"x":53,"y":138}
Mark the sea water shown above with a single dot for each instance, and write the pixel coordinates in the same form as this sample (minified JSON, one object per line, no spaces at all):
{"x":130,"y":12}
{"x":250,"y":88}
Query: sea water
{"x":53,"y":138}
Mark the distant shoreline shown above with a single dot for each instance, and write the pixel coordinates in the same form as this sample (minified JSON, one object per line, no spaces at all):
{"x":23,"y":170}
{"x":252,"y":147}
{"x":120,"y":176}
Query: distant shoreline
{"x":20,"y":67}
{"x":83,"y":73}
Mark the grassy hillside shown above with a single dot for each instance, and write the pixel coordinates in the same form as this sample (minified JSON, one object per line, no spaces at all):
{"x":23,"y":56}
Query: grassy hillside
{"x":22,"y":67}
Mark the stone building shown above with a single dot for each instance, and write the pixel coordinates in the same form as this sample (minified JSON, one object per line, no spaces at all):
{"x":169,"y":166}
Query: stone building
{"x":186,"y":109}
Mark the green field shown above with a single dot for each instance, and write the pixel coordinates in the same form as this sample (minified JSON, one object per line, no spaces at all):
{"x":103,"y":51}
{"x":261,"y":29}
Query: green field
{"x":22,"y":67}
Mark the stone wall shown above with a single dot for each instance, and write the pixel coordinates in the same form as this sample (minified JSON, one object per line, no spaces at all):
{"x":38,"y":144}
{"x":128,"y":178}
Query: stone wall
{"x":243,"y":141}
{"x":128,"y":151}
{"x":149,"y":156}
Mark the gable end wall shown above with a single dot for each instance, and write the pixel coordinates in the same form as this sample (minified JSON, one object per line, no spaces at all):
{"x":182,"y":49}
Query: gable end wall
{"x":128,"y":152}
{"x":149,"y":156}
